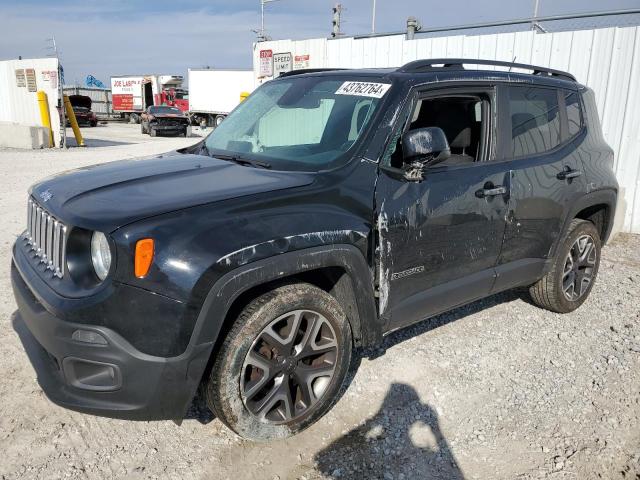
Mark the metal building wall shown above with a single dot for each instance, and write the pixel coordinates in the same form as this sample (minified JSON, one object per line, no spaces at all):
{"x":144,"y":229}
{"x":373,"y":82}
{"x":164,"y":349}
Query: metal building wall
{"x":18,"y":104}
{"x":607,"y":60}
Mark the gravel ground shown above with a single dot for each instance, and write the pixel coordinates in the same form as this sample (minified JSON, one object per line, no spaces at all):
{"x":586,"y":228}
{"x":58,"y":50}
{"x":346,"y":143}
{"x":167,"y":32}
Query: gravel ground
{"x":496,"y":389}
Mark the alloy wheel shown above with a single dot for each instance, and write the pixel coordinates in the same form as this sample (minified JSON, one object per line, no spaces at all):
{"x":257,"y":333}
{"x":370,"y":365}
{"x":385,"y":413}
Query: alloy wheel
{"x":579,"y":268}
{"x":289,"y":366}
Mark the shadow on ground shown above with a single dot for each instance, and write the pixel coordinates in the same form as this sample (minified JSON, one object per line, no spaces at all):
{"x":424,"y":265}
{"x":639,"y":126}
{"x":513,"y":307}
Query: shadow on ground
{"x":94,"y":142}
{"x":402,"y":440}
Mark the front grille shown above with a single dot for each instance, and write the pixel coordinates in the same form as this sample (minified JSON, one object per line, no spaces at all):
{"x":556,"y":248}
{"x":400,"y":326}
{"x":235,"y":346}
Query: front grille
{"x":171,"y":123}
{"x":47,"y":238}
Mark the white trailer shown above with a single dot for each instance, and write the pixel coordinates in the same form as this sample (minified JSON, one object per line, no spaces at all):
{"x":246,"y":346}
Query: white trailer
{"x":214,"y":93}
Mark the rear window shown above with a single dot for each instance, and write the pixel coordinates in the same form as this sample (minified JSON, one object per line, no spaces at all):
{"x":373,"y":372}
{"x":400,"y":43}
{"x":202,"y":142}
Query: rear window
{"x":535,"y":120}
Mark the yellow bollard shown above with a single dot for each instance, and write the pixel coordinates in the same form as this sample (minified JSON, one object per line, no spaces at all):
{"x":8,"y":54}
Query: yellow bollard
{"x":243,"y":96}
{"x":74,"y":123}
{"x":45,"y":118}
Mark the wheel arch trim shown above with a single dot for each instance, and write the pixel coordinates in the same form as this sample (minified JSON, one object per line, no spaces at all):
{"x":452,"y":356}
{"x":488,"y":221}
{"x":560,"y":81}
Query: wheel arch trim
{"x":232,"y":284}
{"x":606,"y":196}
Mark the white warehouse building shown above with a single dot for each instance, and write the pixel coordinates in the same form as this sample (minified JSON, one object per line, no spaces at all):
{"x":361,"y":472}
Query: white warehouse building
{"x":605,"y":59}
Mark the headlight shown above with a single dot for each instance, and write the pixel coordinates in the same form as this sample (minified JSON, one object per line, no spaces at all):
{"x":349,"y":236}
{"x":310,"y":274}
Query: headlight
{"x":100,"y":254}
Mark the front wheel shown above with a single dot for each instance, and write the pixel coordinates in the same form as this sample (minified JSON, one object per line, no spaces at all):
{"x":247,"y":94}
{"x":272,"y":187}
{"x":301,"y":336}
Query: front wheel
{"x":568,"y":284}
{"x":282,"y":364}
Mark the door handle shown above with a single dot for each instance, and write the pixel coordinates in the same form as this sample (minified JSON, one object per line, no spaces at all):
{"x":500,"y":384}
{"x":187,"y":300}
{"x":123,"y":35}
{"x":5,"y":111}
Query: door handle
{"x":568,"y":173}
{"x":491,"y":192}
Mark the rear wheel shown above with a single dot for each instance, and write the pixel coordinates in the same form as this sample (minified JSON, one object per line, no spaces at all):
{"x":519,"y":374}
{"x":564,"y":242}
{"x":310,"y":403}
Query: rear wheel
{"x":283,"y":363}
{"x":568,"y":284}
{"x":219,"y":119}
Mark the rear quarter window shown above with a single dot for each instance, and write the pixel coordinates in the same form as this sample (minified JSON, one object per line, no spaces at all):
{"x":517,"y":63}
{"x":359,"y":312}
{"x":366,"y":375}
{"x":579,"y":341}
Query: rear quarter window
{"x":574,"y":112}
{"x":535,"y":120}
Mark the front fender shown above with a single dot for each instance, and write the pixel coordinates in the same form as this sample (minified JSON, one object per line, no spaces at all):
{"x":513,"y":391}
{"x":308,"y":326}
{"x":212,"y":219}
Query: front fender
{"x":232,"y":284}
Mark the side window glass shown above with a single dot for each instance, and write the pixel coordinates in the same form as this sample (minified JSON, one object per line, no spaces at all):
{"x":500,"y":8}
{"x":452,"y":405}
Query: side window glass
{"x":458,"y":116}
{"x":535,"y":120}
{"x":574,"y":112}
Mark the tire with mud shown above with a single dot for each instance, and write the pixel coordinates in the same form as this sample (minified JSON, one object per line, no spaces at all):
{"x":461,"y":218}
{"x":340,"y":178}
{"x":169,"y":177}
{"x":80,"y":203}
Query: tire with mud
{"x":282,"y":365}
{"x":568,"y":284}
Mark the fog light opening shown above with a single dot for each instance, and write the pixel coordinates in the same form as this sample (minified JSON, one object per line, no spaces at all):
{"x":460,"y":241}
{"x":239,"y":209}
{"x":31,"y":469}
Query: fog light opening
{"x":88,"y":336}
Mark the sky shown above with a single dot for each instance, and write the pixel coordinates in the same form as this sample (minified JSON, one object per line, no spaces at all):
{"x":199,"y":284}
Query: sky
{"x":119,"y":37}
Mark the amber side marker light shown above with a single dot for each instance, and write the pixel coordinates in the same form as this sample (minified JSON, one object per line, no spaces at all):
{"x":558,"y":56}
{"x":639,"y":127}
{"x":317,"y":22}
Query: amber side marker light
{"x":144,"y":256}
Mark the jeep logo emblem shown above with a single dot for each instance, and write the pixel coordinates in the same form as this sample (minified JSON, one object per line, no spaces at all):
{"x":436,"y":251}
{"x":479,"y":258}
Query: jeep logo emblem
{"x":46,"y":195}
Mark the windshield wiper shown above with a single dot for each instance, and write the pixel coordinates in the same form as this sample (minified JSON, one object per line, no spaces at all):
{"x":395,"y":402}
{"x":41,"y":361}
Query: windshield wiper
{"x":203,"y":148}
{"x":241,"y":160}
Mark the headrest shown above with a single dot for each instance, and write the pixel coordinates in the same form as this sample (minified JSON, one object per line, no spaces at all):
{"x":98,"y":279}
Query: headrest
{"x":454,"y":119}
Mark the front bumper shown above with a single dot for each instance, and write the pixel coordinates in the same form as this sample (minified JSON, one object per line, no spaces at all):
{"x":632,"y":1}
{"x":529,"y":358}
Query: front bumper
{"x":168,"y":128}
{"x":109,"y":378}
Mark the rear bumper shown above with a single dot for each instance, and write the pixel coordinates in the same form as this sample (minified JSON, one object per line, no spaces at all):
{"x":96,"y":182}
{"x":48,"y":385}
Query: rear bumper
{"x":108,"y":377}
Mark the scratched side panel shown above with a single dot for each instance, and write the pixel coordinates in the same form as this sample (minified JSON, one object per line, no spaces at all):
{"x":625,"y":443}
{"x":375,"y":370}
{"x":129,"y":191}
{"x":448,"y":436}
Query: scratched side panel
{"x":436,"y":231}
{"x":196,"y":246}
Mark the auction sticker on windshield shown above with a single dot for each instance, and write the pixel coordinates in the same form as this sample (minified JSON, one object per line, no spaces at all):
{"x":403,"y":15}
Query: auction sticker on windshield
{"x":363,"y":89}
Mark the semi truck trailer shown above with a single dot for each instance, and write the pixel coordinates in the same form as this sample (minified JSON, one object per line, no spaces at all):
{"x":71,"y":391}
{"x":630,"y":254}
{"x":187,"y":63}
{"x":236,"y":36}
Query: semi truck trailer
{"x":214,"y":93}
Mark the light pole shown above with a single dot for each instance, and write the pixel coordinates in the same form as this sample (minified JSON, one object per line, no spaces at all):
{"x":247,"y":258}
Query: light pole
{"x":373,"y":18}
{"x":534,"y":24}
{"x":262,"y":37}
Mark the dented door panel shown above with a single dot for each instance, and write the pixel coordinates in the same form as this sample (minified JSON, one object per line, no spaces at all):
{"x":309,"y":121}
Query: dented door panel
{"x":435,"y":232}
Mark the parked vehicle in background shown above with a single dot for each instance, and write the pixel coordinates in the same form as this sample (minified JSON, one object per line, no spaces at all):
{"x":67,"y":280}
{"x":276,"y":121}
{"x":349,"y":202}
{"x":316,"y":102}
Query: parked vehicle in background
{"x":101,"y":103}
{"x":165,"y":120}
{"x":132,"y":95}
{"x":329,"y":210}
{"x":214,"y":93}
{"x":81,"y":105}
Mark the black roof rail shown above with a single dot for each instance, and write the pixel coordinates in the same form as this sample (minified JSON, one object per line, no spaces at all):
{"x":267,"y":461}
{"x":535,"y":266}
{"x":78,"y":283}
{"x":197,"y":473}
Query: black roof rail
{"x":308,"y":70}
{"x":458,"y":64}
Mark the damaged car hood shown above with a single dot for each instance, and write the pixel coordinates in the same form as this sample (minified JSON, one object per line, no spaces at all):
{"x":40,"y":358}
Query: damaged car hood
{"x":105,"y":197}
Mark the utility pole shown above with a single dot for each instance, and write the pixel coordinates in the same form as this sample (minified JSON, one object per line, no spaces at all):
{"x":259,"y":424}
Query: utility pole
{"x":262,"y":35}
{"x":373,"y":18}
{"x":337,"y":13}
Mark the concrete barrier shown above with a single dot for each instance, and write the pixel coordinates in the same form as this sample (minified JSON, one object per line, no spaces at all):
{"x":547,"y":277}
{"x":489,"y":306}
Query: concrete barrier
{"x":15,"y":135}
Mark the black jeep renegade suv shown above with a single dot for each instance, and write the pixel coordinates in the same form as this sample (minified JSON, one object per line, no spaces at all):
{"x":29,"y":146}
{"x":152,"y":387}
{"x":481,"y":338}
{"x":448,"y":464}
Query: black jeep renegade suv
{"x":330,"y":208}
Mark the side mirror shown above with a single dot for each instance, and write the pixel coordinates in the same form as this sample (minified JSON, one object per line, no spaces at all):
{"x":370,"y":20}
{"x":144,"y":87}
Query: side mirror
{"x":426,"y":146}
